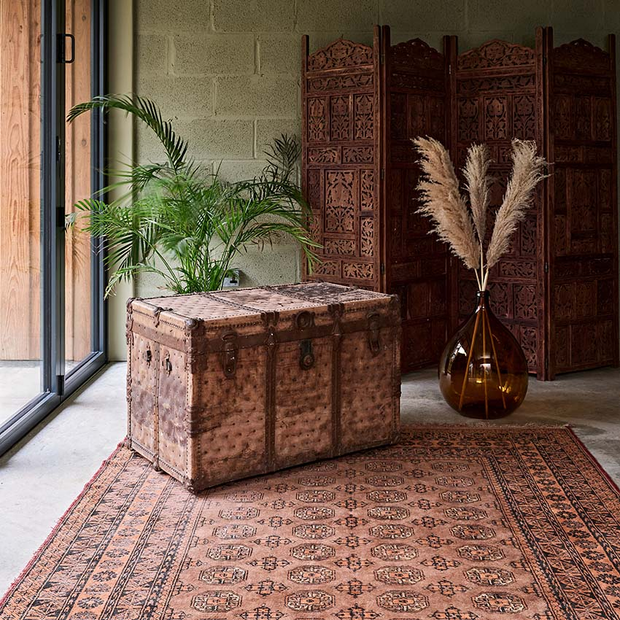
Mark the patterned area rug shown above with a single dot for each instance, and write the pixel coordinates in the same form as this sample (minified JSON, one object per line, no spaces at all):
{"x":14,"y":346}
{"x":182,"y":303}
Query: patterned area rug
{"x":452,"y":523}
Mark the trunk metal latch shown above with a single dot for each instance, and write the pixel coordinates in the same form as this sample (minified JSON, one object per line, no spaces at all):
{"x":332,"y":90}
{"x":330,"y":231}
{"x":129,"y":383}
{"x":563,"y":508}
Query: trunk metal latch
{"x":306,"y":355}
{"x":231,"y":351}
{"x":374,"y":339}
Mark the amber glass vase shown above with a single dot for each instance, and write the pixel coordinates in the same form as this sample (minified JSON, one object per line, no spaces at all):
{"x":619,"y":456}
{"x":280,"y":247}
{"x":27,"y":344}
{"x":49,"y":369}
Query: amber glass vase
{"x":483,"y":371}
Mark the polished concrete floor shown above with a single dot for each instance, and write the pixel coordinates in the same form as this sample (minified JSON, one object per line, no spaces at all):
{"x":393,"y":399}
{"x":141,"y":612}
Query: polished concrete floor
{"x":20,"y":382}
{"x":41,"y":476}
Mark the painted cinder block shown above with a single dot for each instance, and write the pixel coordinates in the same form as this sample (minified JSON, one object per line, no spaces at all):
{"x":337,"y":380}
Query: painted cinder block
{"x":351,"y":15}
{"x":213,"y":54}
{"x":427,"y":16}
{"x":152,"y":55}
{"x":253,"y":15}
{"x":168,"y":16}
{"x":279,"y":54}
{"x":218,"y":139}
{"x":256,"y":96}
{"x":234,"y":170}
{"x":179,"y":97}
{"x":522,"y":17}
{"x":268,"y":129}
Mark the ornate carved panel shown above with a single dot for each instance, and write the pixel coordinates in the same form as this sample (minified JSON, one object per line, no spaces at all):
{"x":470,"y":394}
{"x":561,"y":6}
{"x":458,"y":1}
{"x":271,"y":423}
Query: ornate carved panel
{"x":584,"y":259}
{"x":580,"y":56}
{"x":317,"y":120}
{"x":364,"y":117}
{"x":340,"y":117}
{"x":341,"y":54}
{"x":498,"y":94}
{"x":367,"y":228}
{"x":358,"y":154}
{"x":313,"y":192}
{"x":469,"y":120}
{"x":524,"y":117}
{"x":359,"y":115}
{"x":340,"y":247}
{"x":496,"y":118}
{"x":341,"y":128}
{"x":416,"y":96}
{"x":358,"y":271}
{"x":340,"y":199}
{"x":367,"y":190}
{"x":496,"y":55}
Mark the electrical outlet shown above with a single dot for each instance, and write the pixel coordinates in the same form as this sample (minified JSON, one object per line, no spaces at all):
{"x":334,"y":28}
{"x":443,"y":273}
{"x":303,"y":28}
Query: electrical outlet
{"x":231,"y":279}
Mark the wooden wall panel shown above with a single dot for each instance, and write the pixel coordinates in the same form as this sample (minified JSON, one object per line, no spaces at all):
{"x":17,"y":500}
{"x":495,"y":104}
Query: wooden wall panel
{"x":20,"y":232}
{"x":77,"y":187}
{"x":20,"y":94}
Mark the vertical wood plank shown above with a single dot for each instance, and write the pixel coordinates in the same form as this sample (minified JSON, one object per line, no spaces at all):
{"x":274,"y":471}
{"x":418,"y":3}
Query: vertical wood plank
{"x":78,"y":157}
{"x":20,"y":96}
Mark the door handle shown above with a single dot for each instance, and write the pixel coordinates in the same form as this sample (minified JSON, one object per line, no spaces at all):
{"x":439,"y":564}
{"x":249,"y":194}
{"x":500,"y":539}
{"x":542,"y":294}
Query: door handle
{"x":62,"y":50}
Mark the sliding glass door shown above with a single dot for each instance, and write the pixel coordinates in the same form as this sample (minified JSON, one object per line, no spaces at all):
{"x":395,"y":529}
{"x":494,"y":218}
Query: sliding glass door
{"x":52,"y":333}
{"x":20,"y":198}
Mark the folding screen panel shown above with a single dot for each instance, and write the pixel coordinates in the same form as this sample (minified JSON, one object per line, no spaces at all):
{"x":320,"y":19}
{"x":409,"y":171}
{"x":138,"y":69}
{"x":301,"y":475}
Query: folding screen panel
{"x":583,"y":226}
{"x":415,"y":85}
{"x":498,"y":93}
{"x":340,"y":86}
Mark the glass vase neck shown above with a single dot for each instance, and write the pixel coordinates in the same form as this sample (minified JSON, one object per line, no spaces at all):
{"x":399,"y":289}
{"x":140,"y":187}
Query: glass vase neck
{"x":482,"y":297}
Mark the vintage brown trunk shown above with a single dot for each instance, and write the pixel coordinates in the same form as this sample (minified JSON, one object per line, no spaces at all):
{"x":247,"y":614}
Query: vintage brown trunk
{"x":231,"y":384}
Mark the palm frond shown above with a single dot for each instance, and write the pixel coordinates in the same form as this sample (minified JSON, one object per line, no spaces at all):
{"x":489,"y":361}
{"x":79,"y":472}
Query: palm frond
{"x":283,"y":156}
{"x":181,"y":223}
{"x":145,"y":110}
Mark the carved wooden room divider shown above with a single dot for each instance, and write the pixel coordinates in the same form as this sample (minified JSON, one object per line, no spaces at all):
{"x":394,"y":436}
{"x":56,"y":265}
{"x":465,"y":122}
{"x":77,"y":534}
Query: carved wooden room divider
{"x":557,"y":287}
{"x":497,"y":92}
{"x":582,"y":207}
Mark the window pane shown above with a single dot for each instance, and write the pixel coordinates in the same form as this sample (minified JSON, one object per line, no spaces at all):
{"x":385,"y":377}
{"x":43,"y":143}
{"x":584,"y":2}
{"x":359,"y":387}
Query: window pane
{"x":20,"y":231}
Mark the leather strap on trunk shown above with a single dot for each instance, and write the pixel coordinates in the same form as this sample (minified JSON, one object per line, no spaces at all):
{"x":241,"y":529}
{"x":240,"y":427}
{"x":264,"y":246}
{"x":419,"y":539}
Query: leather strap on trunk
{"x":271,"y":320}
{"x":219,"y":344}
{"x":336,"y":311}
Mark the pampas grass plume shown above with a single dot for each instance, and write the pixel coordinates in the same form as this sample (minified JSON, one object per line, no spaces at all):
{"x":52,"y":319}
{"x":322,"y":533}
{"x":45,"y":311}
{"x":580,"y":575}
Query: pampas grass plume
{"x":442,"y":201}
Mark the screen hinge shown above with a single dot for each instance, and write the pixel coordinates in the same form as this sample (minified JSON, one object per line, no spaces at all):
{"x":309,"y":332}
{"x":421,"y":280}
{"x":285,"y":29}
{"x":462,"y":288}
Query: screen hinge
{"x":382,"y":173}
{"x":60,"y":384}
{"x":546,"y":267}
{"x":449,"y":69}
{"x":382,"y":269}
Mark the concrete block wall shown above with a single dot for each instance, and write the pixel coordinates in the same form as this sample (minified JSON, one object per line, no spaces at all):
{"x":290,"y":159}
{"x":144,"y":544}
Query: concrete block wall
{"x":228,"y":71}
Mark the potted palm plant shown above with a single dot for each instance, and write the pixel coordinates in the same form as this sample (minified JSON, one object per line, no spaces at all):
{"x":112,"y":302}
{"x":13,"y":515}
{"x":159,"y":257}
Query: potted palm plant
{"x":182,"y":223}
